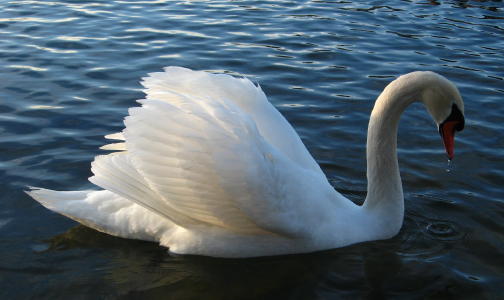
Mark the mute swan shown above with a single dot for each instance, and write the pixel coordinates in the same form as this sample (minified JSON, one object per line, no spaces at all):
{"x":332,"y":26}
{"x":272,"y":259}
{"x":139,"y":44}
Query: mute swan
{"x":208,"y":166}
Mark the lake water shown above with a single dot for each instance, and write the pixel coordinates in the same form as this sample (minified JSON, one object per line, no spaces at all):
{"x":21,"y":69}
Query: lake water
{"x":70,"y":69}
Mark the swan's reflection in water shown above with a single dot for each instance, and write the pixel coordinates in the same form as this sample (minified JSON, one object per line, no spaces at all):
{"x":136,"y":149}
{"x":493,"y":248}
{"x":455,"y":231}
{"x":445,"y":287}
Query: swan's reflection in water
{"x":374,"y":270}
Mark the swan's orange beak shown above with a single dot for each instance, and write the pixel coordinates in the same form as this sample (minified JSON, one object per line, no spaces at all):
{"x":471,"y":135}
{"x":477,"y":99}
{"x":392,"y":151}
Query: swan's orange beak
{"x":455,"y":122}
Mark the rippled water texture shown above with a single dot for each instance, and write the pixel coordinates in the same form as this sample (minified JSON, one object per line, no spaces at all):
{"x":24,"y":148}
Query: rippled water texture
{"x":69,"y":71}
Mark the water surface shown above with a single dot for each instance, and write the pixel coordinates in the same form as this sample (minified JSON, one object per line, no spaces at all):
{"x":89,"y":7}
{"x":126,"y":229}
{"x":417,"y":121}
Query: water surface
{"x":70,"y":69}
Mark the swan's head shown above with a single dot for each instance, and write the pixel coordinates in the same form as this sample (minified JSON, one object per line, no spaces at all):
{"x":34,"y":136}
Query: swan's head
{"x":445,"y":105}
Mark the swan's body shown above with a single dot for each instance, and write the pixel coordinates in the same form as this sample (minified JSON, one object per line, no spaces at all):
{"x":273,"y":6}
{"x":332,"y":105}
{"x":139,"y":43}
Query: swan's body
{"x":208,"y":166}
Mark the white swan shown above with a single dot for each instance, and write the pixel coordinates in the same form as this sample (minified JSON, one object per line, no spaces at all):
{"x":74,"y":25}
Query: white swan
{"x":208,"y":166}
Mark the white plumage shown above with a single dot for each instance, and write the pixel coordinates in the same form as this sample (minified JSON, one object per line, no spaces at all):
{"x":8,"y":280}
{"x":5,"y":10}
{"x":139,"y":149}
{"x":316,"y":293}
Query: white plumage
{"x":206,"y":165}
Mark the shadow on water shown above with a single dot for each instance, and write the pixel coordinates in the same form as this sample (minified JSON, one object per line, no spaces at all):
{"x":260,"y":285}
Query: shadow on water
{"x":374,"y":270}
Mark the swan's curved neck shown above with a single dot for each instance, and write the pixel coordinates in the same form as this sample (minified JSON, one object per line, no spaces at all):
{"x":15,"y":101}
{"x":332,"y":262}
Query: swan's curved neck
{"x":385,"y":195}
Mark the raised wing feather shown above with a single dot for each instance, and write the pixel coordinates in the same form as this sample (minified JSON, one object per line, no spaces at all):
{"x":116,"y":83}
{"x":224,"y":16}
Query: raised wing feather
{"x":206,"y":155}
{"x":207,"y":159}
{"x":247,"y":97}
{"x":176,"y":151}
{"x":115,"y":146}
{"x":115,"y":172}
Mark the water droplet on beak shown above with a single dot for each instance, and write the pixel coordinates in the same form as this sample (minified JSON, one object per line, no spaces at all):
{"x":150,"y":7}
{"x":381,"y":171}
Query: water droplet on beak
{"x":449,"y":166}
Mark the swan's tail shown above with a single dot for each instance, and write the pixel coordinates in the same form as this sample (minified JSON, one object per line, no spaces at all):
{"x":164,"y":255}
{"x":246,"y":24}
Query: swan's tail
{"x":105,"y":212}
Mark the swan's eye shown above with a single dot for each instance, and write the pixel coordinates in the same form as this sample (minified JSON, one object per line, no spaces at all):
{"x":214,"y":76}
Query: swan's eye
{"x":456,"y":117}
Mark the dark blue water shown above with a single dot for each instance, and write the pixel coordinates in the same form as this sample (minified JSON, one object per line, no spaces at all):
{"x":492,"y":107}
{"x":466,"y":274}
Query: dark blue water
{"x":69,"y":71}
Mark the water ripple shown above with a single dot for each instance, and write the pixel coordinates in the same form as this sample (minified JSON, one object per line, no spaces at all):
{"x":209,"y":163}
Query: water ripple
{"x":72,"y":68}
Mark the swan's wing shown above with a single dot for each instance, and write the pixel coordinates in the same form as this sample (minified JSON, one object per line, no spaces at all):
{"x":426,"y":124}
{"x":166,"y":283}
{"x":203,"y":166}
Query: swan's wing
{"x":116,"y":173}
{"x":206,"y":162}
{"x":248,"y":97}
